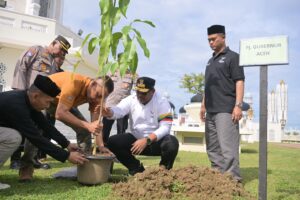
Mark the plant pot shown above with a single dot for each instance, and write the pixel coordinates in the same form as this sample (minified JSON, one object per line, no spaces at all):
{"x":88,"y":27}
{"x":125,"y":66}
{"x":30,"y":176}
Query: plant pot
{"x":96,"y":171}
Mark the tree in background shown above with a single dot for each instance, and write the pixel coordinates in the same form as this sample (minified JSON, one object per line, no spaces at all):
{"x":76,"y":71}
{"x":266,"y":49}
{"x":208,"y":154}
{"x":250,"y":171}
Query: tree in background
{"x":194,"y":83}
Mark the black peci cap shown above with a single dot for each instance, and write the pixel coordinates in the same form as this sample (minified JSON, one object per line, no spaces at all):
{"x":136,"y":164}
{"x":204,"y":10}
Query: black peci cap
{"x":144,"y":84}
{"x":46,"y":85}
{"x":64,"y":43}
{"x":215,"y":29}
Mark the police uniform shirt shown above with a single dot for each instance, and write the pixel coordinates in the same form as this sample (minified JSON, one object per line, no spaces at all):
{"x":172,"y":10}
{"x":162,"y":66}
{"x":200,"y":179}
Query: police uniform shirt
{"x":122,"y":88}
{"x":36,"y":60}
{"x":17,"y":113}
{"x":222,"y":72}
{"x":154,"y":117}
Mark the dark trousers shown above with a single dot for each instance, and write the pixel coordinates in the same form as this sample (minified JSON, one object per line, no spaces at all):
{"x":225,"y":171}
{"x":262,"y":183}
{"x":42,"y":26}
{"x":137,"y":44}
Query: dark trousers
{"x":84,"y":138}
{"x":51,"y":119}
{"x":122,"y":125}
{"x":121,"y":144}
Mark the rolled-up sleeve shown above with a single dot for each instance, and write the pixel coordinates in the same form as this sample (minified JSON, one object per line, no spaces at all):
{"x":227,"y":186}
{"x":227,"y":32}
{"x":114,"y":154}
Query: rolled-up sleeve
{"x":165,"y":120}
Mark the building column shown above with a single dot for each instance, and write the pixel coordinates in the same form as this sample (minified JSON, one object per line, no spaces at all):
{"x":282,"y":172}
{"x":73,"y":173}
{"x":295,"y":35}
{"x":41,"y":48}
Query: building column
{"x":33,"y":7}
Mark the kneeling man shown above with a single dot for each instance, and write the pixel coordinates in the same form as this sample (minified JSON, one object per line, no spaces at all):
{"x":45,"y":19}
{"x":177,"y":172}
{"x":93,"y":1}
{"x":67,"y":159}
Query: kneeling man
{"x":150,"y":122}
{"x":20,"y":115}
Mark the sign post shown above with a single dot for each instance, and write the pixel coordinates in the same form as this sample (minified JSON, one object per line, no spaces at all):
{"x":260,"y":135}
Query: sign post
{"x":263,"y":52}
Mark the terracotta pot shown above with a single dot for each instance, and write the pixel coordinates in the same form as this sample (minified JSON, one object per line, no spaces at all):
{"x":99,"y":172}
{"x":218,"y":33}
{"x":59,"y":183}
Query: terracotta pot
{"x":96,"y":171}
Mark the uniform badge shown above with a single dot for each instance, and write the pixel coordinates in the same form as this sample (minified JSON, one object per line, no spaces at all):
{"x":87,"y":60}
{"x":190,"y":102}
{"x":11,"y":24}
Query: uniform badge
{"x":222,"y":60}
{"x":43,"y":67}
{"x":45,"y":54}
{"x":141,"y":84}
{"x":30,"y":52}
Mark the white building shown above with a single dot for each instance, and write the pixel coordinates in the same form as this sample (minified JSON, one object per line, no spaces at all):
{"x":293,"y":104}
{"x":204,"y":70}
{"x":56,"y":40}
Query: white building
{"x":24,"y":23}
{"x":190,"y":130}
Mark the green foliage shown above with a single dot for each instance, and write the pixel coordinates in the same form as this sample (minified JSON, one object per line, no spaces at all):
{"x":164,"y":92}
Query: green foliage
{"x":108,"y":41}
{"x":193,"y":82}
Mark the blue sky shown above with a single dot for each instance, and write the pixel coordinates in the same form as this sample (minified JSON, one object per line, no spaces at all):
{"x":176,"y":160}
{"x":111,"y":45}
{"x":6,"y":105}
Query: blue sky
{"x":179,"y":44}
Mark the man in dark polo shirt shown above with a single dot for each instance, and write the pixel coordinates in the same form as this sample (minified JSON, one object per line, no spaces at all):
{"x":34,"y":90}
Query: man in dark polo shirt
{"x":221,"y":107}
{"x":20,"y":115}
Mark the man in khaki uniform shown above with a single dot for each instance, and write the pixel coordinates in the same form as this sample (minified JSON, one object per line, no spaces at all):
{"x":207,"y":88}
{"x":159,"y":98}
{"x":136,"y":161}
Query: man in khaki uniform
{"x":38,"y":60}
{"x":33,"y":61}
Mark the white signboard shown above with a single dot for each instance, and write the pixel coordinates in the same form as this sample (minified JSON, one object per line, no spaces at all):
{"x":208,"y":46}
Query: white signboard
{"x":264,"y":51}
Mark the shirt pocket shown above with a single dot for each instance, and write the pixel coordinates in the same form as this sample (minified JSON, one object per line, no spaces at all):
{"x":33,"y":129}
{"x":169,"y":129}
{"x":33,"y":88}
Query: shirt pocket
{"x":42,"y":65}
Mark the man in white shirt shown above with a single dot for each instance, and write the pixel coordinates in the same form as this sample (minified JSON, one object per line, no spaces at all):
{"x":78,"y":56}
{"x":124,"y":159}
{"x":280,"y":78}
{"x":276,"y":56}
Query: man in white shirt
{"x":150,"y":121}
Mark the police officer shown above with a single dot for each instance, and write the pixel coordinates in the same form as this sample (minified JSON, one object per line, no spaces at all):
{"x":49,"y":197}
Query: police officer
{"x":33,"y":61}
{"x":38,"y":60}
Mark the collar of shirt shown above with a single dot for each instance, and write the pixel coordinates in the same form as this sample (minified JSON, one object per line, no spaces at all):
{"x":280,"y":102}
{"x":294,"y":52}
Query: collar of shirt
{"x":28,"y":101}
{"x":221,"y":53}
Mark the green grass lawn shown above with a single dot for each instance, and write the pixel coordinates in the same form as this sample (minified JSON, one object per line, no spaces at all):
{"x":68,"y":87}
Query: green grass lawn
{"x":283,"y":176}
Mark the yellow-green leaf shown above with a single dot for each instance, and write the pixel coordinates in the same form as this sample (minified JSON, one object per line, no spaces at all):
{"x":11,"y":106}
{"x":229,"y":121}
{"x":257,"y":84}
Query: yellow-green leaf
{"x":85,"y":39}
{"x":143,"y":45}
{"x":92,"y":44}
{"x":116,"y":16}
{"x":104,"y":6}
{"x":126,"y":29}
{"x":134,"y":63}
{"x":123,"y":4}
{"x":131,"y":51}
{"x":145,"y":21}
{"x":115,"y":41}
{"x":114,"y":67}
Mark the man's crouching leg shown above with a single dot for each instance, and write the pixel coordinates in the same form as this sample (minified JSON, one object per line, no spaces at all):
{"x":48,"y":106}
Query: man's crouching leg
{"x":120,"y":145}
{"x":10,"y":140}
{"x":26,"y":168}
{"x":169,"y":149}
{"x":84,"y":138}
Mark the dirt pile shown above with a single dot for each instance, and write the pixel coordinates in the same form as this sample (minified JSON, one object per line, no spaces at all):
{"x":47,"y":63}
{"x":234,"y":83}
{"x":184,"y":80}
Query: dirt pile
{"x":191,"y":182}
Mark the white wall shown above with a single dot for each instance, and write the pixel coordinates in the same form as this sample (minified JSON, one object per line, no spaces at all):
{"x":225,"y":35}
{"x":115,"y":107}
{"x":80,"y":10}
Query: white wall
{"x":9,"y":57}
{"x":274,"y":132}
{"x":16,"y":5}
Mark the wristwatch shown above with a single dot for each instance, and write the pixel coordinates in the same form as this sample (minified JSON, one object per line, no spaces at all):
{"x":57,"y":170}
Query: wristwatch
{"x":239,"y":104}
{"x":149,"y":141}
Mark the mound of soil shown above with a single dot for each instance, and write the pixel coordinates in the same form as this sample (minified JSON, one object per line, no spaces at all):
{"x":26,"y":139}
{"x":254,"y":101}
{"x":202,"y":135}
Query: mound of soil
{"x":190,"y":182}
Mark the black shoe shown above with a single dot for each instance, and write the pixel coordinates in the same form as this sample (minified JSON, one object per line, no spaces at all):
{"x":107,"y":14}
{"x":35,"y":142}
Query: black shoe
{"x":38,"y":165}
{"x":15,"y":164}
{"x":140,"y":169}
{"x":45,"y":166}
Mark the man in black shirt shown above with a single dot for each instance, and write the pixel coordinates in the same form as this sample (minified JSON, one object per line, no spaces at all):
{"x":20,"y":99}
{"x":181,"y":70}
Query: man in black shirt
{"x":222,"y":104}
{"x":20,"y":114}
